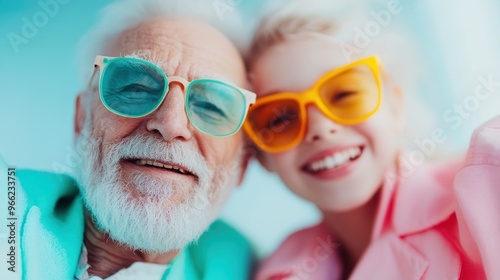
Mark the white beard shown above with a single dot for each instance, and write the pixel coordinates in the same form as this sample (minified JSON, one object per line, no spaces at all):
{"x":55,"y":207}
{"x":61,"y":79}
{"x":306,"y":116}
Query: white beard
{"x":154,"y":221}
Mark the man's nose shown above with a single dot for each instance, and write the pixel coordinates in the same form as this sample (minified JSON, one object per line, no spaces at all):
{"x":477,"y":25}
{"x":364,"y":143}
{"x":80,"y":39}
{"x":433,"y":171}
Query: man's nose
{"x":170,"y":119}
{"x":319,"y":126}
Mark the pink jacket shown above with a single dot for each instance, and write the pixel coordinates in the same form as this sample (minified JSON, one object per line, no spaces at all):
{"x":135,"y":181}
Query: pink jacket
{"x":436,"y":224}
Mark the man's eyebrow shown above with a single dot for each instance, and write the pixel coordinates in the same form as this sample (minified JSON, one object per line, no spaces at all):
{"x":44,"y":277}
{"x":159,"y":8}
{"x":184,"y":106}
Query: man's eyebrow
{"x":213,"y":76}
{"x":136,"y":55}
{"x":146,"y":57}
{"x":196,"y":75}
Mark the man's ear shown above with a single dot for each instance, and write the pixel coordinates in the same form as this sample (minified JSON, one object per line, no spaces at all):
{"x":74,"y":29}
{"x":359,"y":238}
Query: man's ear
{"x":80,"y":112}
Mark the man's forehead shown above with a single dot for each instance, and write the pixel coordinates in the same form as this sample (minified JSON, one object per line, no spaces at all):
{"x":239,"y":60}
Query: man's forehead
{"x":179,"y":47}
{"x":195,"y":73}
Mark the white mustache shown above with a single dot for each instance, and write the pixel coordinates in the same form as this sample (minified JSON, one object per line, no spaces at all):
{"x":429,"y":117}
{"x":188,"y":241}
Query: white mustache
{"x":146,"y":147}
{"x":154,"y":223}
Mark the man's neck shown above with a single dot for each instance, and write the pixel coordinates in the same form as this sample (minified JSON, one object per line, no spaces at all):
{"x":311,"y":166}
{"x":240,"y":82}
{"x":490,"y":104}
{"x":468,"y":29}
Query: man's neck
{"x":353,"y":230}
{"x":106,"y":257}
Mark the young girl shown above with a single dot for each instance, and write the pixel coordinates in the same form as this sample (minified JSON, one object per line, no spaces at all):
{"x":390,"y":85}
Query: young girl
{"x":330,"y":127}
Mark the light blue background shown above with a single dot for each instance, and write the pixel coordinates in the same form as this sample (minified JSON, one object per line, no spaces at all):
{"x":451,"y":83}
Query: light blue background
{"x":38,"y":84}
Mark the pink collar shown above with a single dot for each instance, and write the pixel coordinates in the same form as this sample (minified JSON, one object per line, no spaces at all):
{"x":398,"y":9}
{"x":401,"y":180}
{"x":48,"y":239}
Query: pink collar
{"x":425,"y":198}
{"x":407,"y":205}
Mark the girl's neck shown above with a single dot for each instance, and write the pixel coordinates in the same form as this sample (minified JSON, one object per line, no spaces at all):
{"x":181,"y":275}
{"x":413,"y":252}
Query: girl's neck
{"x":352,"y":229}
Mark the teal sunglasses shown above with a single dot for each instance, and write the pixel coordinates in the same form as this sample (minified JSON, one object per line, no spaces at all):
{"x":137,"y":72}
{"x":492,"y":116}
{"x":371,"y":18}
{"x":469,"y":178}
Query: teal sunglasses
{"x":134,"y":88}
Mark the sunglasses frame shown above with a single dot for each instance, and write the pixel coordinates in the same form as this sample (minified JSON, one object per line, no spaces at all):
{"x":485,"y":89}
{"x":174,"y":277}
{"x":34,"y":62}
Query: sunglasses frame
{"x":101,"y":62}
{"x":312,"y":96}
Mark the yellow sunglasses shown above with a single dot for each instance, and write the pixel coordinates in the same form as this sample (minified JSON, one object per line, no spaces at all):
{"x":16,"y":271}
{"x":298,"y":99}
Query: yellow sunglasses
{"x":347,"y":95}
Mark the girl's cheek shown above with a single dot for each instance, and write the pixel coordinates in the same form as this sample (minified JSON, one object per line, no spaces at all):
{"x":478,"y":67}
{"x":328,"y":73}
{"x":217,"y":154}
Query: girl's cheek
{"x":283,"y":162}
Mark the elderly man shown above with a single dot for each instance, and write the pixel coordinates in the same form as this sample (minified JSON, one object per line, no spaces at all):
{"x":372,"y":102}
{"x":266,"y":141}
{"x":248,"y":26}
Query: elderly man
{"x":157,"y":129}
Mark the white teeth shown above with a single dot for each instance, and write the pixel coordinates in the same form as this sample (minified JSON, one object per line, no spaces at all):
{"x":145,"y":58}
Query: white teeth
{"x":354,"y":152}
{"x":168,"y":166}
{"x":159,"y":164}
{"x":335,"y":160}
{"x":340,"y":158}
{"x":330,"y":162}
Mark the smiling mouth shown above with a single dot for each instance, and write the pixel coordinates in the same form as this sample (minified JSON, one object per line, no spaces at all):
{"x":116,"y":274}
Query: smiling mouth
{"x":334,"y":161}
{"x":162,"y":166}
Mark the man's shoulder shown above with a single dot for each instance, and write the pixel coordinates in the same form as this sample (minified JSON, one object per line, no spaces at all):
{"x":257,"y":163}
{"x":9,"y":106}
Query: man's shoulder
{"x":45,"y":189}
{"x":220,"y":229}
{"x":222,"y":253}
{"x":221,"y":238}
{"x":35,"y":178}
{"x":50,"y":215}
{"x":51,"y":193}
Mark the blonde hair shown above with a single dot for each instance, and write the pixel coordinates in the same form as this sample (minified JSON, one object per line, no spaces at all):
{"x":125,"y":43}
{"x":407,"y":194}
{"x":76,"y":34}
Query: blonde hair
{"x":272,"y":32}
{"x":337,"y":21}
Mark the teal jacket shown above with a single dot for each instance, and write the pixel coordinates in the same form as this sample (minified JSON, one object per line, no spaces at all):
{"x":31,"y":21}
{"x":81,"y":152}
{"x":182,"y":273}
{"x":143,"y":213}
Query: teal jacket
{"x":51,"y":219}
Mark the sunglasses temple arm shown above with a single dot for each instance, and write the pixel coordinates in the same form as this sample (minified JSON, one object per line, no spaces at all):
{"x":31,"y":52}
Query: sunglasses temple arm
{"x":92,"y":77}
{"x":250,"y":97}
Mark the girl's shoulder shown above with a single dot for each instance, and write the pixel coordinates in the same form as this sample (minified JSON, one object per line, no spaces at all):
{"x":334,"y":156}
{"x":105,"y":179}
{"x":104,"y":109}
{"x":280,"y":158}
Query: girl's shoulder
{"x":311,"y":247}
{"x":460,"y":200}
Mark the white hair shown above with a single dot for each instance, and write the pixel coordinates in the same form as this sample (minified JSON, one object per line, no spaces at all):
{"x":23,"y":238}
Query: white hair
{"x":124,"y":14}
{"x":341,"y":21}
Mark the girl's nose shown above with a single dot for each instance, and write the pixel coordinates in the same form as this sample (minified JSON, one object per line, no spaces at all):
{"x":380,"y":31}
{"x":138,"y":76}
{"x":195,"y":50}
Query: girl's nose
{"x":319,"y":126}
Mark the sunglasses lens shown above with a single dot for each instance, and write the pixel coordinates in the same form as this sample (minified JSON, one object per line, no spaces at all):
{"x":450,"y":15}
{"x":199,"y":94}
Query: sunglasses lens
{"x":132,"y":87}
{"x":214,"y":107}
{"x":352,"y":95}
{"x":275,"y":124}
